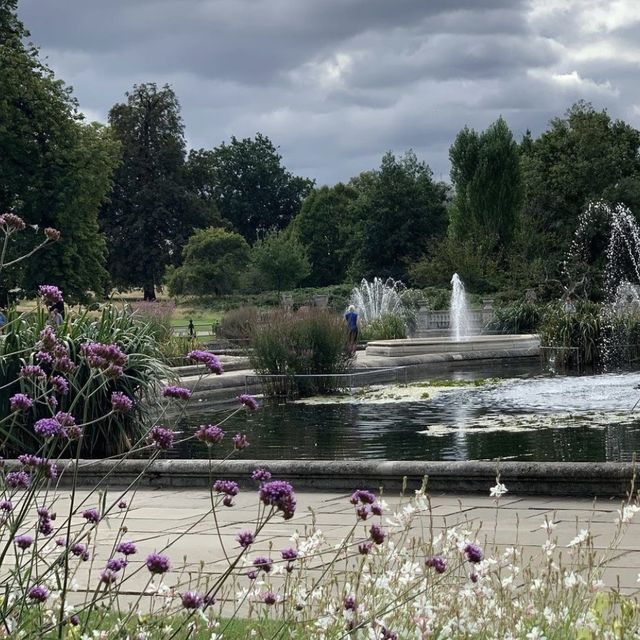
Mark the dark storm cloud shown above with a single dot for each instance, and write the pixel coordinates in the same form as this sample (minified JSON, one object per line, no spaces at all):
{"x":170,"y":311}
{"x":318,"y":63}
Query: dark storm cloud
{"x":336,"y":83}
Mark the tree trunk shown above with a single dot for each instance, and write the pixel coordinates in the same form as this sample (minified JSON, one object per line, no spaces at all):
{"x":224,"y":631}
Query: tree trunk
{"x":149,"y":292}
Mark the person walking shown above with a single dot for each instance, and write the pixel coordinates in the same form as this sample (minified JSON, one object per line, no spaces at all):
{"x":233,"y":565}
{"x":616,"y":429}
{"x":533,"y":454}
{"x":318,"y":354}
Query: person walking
{"x":192,"y":329}
{"x":55,"y":317}
{"x":351,"y":318}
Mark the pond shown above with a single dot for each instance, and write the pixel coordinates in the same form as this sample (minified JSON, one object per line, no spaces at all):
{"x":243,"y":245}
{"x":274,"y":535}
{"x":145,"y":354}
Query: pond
{"x":512,"y":413}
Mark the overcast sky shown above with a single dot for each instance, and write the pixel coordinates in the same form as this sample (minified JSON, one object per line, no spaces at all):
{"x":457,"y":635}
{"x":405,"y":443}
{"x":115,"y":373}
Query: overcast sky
{"x":336,"y":83}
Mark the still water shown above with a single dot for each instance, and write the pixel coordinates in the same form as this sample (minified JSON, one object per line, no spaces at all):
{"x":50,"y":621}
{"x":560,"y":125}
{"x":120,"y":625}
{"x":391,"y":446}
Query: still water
{"x":523,"y":415}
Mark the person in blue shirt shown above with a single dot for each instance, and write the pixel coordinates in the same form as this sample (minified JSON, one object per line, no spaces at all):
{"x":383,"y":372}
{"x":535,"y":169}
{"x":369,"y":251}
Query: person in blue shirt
{"x":3,"y":319}
{"x":351,"y":318}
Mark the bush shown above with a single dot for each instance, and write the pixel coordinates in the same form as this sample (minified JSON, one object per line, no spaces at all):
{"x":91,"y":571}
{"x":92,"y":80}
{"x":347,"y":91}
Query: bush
{"x":157,"y":315}
{"x":519,"y":317}
{"x":390,"y":326}
{"x":238,"y":324}
{"x":302,"y":344}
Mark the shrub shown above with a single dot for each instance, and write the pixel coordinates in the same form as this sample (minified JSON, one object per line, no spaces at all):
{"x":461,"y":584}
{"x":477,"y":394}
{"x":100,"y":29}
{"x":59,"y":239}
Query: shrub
{"x":238,"y":324}
{"x":157,"y":315}
{"x":303,"y":344}
{"x":390,"y":326}
{"x":519,"y":317}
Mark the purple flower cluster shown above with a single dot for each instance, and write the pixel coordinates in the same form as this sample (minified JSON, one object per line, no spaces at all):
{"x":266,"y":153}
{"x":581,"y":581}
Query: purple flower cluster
{"x":108,"y":576}
{"x":261,"y":475}
{"x":240,"y":441}
{"x":6,"y":506}
{"x":161,"y":437}
{"x":45,"y":521}
{"x":80,"y":550}
{"x":126,"y":548}
{"x":38,"y":593}
{"x":473,"y":552}
{"x":32,"y":371}
{"x":366,"y":503}
{"x":20,"y":402}
{"x":192,"y":600}
{"x":157,"y":563}
{"x":248,"y":401}
{"x":12,"y":222}
{"x":364,"y":548}
{"x":50,"y":294}
{"x":245,"y":539}
{"x":208,"y":359}
{"x":180,"y":393}
{"x":349,"y":603}
{"x":91,"y":515}
{"x":438,"y":563}
{"x":279,"y":494}
{"x":116,"y":564}
{"x":24,"y":541}
{"x":48,"y":467}
{"x":109,"y":358}
{"x":121,"y":403}
{"x":377,"y":533}
{"x":269,"y":598}
{"x":289,"y":553}
{"x":60,"y":385}
{"x":262,"y":563}
{"x":229,"y":488}
{"x":210,"y":434}
{"x":55,"y":354}
{"x":48,"y":427}
{"x":18,"y":479}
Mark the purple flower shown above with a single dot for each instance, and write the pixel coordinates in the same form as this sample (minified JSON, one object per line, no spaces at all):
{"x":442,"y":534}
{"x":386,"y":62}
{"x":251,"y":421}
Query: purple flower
{"x":60,"y":385}
{"x":228,"y":487}
{"x":261,"y":475}
{"x":376,"y":509}
{"x":44,"y":358}
{"x":116,"y":564}
{"x":120,"y":403}
{"x":50,"y":294}
{"x":269,"y":598}
{"x":208,"y":359}
{"x":161,"y":438}
{"x":377,"y":533}
{"x":18,"y":479}
{"x":363,"y":496}
{"x":179,"y":393}
{"x":349,"y":603}
{"x":107,"y":357}
{"x":38,"y":593}
{"x":61,"y":542}
{"x":6,"y":505}
{"x":78,"y":549}
{"x":20,"y":402}
{"x":157,"y":563}
{"x":289,"y":553}
{"x":91,"y":515}
{"x":122,"y":504}
{"x":65,"y":364}
{"x":108,"y":576}
{"x":248,"y":401}
{"x":473,"y":552}
{"x":48,"y":468}
{"x":279,"y":494}
{"x":245,"y":539}
{"x":262,"y":563}
{"x":126,"y":548}
{"x":45,"y":526}
{"x":387,"y":634}
{"x":209,"y":433}
{"x":52,"y":401}
{"x":363,"y":511}
{"x":48,"y":427}
{"x":24,"y":541}
{"x":438,"y":563}
{"x":365,"y":547}
{"x":240,"y":441}
{"x":43,"y":512}
{"x":474,"y":577}
{"x":48,"y":339}
{"x":252,"y":574}
{"x":192,"y":600}
{"x":32,"y":371}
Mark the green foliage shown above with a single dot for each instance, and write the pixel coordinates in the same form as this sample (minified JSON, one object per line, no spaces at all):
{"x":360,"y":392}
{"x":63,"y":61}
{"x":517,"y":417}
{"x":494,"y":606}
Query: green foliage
{"x":328,"y":227}
{"x":279,"y":261}
{"x":110,"y":433}
{"x":390,"y":326}
{"x":152,"y":211}
{"x":247,"y":182}
{"x":401,"y":210}
{"x":54,"y":170}
{"x":239,"y":324}
{"x":485,"y":171}
{"x":301,"y":344}
{"x":519,"y":317}
{"x":214,"y":260}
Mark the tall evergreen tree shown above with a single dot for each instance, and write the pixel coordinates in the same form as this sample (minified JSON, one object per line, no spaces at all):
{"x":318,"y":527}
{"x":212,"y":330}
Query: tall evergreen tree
{"x":151,"y":212}
{"x":54,"y":170}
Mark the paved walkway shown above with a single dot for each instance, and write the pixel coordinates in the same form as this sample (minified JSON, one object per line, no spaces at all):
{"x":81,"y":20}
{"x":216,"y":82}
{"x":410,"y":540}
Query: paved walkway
{"x":175,"y":517}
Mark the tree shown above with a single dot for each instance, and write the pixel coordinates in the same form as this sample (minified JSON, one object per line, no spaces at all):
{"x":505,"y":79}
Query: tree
{"x":485,"y":172}
{"x":54,"y":170}
{"x":401,"y":210}
{"x":151,"y":212}
{"x":214,"y":260}
{"x":280,"y":260}
{"x":249,"y":185}
{"x":582,"y":157}
{"x":326,"y":226}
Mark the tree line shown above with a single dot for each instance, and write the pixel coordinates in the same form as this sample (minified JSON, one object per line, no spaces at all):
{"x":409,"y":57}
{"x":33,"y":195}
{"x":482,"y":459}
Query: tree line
{"x":136,"y":208}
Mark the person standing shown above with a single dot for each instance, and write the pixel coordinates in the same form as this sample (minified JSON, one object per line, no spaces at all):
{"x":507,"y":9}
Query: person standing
{"x":351,"y":318}
{"x":192,"y":329}
{"x":3,"y":319}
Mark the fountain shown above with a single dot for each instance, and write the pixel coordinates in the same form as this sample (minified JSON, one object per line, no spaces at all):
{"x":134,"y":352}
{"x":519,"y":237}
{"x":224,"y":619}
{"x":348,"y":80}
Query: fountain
{"x":459,"y":312}
{"x":378,"y":298}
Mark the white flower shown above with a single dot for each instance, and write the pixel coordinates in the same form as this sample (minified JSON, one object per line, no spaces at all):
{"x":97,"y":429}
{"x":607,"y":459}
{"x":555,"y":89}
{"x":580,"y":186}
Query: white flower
{"x":627,"y":513}
{"x":583,"y":536}
{"x":498,"y":491}
{"x":548,"y":547}
{"x":548,"y":525}
{"x":536,"y":634}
